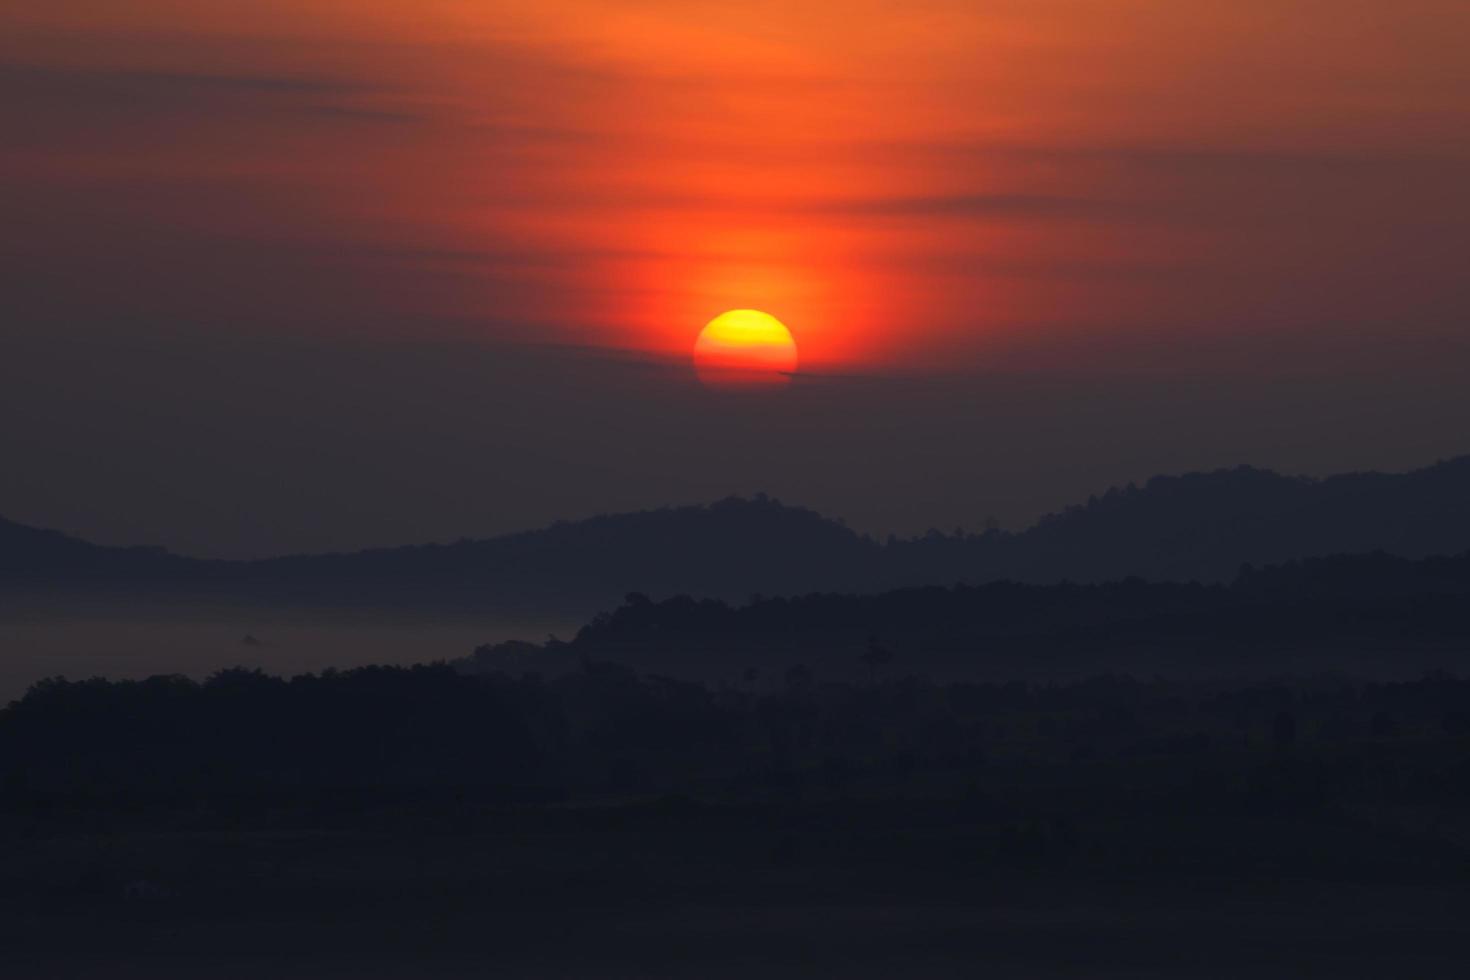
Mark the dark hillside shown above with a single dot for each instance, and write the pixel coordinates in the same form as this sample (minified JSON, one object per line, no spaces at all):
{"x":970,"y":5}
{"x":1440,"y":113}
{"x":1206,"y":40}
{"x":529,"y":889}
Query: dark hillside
{"x":1198,"y":527}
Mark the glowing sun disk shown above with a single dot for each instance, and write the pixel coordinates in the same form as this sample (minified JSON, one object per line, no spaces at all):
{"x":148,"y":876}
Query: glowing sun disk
{"x":743,"y":349}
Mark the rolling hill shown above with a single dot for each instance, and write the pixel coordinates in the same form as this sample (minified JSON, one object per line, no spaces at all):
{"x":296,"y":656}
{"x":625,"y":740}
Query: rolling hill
{"x":1196,"y":527}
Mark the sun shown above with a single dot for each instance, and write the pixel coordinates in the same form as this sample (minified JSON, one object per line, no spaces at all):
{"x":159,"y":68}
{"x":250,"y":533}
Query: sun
{"x":744,"y":349}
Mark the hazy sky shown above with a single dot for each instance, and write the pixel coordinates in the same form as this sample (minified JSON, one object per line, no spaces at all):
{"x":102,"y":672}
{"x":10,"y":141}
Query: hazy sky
{"x":324,"y":273}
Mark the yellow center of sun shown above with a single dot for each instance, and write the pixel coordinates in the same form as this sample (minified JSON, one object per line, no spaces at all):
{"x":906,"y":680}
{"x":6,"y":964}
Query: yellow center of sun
{"x":744,"y":348}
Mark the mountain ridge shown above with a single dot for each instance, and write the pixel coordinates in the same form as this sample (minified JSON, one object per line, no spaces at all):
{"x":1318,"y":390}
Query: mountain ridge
{"x":1187,"y":527}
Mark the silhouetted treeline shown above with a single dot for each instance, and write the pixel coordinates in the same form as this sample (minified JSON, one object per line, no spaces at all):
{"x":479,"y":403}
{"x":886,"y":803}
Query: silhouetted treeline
{"x":1196,"y":527}
{"x":1372,"y":615}
{"x":1104,"y":745}
{"x":245,"y":732}
{"x":175,"y":816}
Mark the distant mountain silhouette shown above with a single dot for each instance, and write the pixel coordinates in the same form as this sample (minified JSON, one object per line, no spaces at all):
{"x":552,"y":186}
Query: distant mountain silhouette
{"x":1205,"y":526}
{"x":1197,"y":527}
{"x":29,"y":554}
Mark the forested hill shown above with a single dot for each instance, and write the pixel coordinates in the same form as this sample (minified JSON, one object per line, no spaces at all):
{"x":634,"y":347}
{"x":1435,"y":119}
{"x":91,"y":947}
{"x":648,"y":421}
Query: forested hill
{"x":1197,"y":527}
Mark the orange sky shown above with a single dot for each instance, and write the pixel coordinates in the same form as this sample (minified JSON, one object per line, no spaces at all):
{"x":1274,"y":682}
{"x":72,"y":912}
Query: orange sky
{"x":907,"y":185}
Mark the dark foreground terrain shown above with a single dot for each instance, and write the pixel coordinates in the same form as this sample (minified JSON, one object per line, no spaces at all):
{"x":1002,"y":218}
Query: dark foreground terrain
{"x":1269,"y":778}
{"x":424,"y":822}
{"x":626,"y":894}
